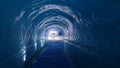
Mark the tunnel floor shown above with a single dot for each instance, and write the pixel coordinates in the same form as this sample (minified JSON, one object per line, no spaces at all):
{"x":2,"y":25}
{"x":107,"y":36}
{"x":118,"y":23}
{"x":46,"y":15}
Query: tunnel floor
{"x":53,"y":56}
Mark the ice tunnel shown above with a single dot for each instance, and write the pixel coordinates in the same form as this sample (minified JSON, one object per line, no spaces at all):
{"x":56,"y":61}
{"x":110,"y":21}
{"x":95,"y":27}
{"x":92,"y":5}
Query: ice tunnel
{"x":45,"y":29}
{"x":64,"y":34}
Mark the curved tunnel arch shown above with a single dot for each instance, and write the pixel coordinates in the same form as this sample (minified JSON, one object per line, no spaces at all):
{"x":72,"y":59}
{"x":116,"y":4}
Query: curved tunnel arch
{"x":33,"y":21}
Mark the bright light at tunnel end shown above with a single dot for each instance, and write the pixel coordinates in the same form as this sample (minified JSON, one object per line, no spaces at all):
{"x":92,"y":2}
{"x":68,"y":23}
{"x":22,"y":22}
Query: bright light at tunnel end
{"x":56,"y":38}
{"x":53,"y":35}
